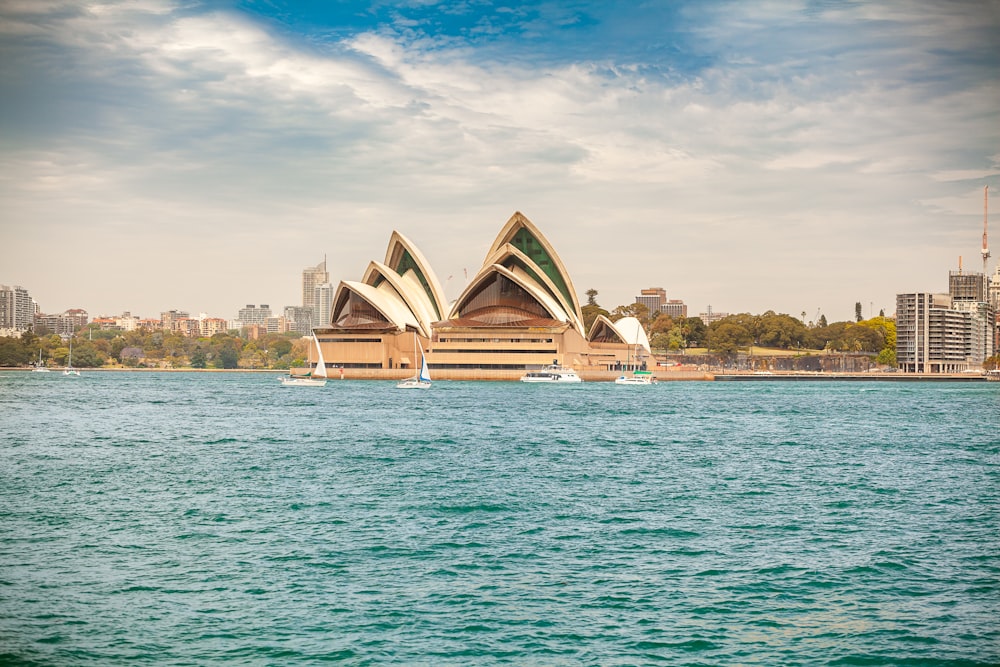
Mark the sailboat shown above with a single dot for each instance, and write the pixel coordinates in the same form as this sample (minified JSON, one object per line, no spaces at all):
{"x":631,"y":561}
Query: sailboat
{"x":315,"y":378}
{"x":637,"y":377}
{"x":40,"y":367}
{"x":421,"y":380}
{"x":69,"y":370}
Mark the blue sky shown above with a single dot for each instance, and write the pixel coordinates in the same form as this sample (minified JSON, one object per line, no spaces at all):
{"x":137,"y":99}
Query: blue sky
{"x":748,"y":155}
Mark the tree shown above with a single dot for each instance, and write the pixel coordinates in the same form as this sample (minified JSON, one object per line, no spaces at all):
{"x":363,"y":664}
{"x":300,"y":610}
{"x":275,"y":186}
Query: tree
{"x":591,"y":297}
{"x":14,"y":352}
{"x":86,"y":355}
{"x":822,"y":321}
{"x":228,"y":358}
{"x":662,"y":324}
{"x":590,"y":313}
{"x":728,"y":335}
{"x":857,"y":312}
{"x":198,"y":358}
{"x":639,"y":311}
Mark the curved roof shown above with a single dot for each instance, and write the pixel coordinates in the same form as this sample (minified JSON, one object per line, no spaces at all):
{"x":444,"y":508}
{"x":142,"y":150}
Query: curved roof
{"x":511,"y":258}
{"x":603,"y":330}
{"x":387,"y":303}
{"x":521,"y":279}
{"x":632,"y":332}
{"x":402,"y":256}
{"x":408,"y":289}
{"x":523,"y":235}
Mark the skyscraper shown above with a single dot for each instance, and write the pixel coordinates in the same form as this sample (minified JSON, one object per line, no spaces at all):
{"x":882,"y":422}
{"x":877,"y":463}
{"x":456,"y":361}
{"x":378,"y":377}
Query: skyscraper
{"x":312,"y":277}
{"x":17,"y":311}
{"x":323,"y":304}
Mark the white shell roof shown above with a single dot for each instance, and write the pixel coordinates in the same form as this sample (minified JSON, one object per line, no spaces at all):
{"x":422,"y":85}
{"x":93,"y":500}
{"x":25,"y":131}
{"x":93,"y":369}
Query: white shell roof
{"x":631,"y":331}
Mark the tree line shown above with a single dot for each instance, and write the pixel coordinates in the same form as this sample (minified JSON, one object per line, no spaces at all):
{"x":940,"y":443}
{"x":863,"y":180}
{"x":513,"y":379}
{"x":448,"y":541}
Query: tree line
{"x":144,"y":348}
{"x":93,"y":347}
{"x":733,"y":333}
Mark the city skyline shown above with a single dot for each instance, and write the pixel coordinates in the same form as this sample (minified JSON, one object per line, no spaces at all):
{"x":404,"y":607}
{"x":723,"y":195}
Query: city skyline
{"x":748,"y":157}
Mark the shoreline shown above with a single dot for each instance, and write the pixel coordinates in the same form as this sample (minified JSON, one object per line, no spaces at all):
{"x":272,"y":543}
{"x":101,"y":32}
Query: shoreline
{"x":587,"y":375}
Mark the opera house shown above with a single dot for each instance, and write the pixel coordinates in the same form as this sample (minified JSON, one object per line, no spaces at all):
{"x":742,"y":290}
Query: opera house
{"x":519,"y":311}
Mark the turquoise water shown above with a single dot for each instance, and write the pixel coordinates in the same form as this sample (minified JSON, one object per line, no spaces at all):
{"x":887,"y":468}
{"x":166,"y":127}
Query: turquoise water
{"x":197,"y":519}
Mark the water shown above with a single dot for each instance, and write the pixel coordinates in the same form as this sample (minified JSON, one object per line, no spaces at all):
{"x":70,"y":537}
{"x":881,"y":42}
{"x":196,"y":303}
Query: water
{"x":197,"y":519}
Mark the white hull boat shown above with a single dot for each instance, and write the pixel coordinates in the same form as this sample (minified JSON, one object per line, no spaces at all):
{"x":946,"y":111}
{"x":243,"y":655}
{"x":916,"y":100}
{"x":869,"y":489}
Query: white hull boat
{"x":317,"y":378}
{"x":421,"y":380}
{"x":552,"y":374}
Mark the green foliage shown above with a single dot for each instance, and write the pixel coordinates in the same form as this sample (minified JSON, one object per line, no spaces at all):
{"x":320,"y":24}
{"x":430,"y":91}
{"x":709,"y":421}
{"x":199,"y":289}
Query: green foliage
{"x":887,"y":357}
{"x":227,"y":358}
{"x":640,"y":311}
{"x":13,"y":352}
{"x":198,"y":358}
{"x":87,"y":355}
{"x":728,"y":335}
{"x":591,"y":297}
{"x":768,"y":330}
{"x":590,"y":313}
{"x":992,"y":363}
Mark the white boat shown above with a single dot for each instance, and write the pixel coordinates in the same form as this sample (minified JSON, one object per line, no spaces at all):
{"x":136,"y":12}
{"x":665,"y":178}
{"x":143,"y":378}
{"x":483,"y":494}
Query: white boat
{"x":40,"y":367}
{"x":993,"y":375}
{"x":637,"y":377}
{"x":315,"y":378}
{"x":552,"y":373}
{"x":69,"y":370}
{"x":421,"y":380}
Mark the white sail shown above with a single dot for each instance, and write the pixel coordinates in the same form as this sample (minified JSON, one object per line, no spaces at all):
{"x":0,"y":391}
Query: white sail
{"x":425,"y":374}
{"x":422,"y":380}
{"x":320,"y":370}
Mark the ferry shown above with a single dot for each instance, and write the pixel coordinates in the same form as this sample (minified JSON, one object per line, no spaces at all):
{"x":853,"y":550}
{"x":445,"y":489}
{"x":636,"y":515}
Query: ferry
{"x":552,"y":373}
{"x":993,"y":375}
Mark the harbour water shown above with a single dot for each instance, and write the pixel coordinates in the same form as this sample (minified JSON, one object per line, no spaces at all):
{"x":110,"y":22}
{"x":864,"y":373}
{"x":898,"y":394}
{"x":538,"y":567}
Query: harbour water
{"x":199,"y":519}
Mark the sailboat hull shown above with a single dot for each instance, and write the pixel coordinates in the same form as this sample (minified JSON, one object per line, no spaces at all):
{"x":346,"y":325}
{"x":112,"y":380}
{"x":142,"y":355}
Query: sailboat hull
{"x":302,"y":382}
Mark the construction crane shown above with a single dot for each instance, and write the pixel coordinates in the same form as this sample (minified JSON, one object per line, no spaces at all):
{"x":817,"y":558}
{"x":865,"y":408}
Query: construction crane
{"x":986,"y":208}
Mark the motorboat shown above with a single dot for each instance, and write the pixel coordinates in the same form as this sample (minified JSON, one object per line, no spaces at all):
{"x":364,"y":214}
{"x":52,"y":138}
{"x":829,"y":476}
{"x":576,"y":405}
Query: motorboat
{"x":552,"y":373}
{"x":637,"y":377}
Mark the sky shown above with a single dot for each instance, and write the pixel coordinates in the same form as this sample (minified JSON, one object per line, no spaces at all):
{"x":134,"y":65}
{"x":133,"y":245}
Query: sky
{"x":799,"y":157}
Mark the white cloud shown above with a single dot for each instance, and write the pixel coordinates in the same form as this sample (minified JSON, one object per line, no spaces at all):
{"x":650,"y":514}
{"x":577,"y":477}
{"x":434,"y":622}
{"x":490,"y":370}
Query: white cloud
{"x":832,"y":163}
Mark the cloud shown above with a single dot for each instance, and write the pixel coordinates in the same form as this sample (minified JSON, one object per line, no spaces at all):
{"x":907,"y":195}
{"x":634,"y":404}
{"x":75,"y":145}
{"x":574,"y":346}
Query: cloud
{"x":749,"y":137}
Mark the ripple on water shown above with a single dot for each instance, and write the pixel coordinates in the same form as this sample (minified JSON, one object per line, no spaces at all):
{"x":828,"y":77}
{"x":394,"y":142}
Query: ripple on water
{"x":203,"y":519}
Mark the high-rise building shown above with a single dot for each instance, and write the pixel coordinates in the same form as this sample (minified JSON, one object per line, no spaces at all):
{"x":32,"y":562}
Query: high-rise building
{"x":970,"y":292}
{"x":312,"y":277}
{"x":652,"y":298}
{"x":17,"y":310}
{"x":655,"y":300}
{"x":967,"y":286}
{"x":64,"y":324}
{"x":935,"y":334}
{"x":675,"y":308}
{"x":299,"y":319}
{"x":994,"y":289}
{"x":252,"y":314}
{"x":323,"y":303}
